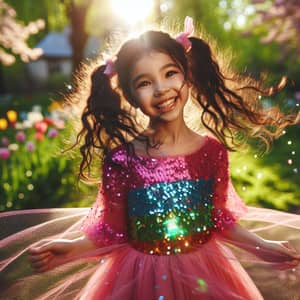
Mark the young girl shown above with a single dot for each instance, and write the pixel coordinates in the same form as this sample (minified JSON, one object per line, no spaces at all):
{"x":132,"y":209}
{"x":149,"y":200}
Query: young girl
{"x":166,"y":205}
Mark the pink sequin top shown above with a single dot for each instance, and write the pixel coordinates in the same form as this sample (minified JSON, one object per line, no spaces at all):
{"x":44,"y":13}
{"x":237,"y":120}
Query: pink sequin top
{"x":165,"y":205}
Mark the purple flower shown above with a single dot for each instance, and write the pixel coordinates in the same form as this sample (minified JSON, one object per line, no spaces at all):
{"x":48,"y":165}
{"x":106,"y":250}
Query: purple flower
{"x":297,"y":95}
{"x":30,"y":146}
{"x":4,"y":153}
{"x":5,"y":141}
{"x":52,"y":133}
{"x":21,"y":136}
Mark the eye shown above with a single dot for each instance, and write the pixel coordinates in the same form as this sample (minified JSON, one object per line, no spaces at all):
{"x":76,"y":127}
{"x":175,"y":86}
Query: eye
{"x":142,"y":84}
{"x":170,"y":73}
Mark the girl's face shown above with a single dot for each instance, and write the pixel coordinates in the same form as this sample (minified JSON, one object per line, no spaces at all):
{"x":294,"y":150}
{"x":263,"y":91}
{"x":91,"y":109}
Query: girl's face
{"x":158,"y":87}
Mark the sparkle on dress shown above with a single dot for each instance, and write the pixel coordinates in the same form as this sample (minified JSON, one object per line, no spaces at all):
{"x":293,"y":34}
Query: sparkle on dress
{"x":164,"y":206}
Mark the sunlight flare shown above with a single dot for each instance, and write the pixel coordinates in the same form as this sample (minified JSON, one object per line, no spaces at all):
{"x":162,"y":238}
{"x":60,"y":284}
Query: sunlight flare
{"x":132,"y":11}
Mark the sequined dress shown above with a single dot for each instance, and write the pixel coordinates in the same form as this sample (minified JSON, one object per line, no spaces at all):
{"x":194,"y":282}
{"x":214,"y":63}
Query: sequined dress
{"x":169,"y":214}
{"x":158,"y":226}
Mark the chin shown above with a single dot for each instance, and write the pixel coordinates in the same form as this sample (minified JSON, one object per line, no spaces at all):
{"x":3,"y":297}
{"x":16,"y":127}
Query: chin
{"x":172,"y":116}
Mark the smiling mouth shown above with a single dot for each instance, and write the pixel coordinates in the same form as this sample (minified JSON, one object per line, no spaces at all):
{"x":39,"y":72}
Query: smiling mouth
{"x":167,"y":104}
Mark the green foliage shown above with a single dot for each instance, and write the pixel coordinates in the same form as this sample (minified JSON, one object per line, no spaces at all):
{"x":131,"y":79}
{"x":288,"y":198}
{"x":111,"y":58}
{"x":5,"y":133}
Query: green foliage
{"x":52,"y":11}
{"x":271,"y":180}
{"x":42,"y":176}
{"x":25,"y":103}
{"x":37,"y":179}
{"x":250,"y":54}
{"x":57,"y":81}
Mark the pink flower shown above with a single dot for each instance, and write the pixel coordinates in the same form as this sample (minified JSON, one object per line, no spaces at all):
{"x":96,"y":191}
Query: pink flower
{"x":60,"y":124}
{"x":52,"y":133}
{"x":41,"y":126}
{"x":4,"y":153}
{"x":30,"y":146}
{"x":21,"y":136}
{"x":39,"y":136}
{"x":297,"y":95}
{"x":5,"y":141}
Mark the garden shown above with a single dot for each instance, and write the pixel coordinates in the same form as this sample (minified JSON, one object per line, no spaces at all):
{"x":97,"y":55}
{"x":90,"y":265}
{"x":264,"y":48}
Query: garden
{"x":34,"y":124}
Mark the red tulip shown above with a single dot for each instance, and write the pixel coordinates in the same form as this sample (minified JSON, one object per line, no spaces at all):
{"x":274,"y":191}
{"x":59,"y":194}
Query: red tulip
{"x":41,"y":126}
{"x":39,"y":136}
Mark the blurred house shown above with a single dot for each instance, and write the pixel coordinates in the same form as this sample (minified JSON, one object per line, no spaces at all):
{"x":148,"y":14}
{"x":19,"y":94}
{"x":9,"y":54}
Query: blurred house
{"x":56,"y":58}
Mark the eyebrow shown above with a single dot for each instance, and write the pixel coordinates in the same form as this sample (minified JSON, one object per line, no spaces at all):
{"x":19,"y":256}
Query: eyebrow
{"x":161,"y":69}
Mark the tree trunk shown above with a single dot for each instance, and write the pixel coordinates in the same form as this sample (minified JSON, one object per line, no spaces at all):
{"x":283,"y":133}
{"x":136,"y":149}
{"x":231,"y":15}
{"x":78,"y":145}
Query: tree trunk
{"x":78,"y":36}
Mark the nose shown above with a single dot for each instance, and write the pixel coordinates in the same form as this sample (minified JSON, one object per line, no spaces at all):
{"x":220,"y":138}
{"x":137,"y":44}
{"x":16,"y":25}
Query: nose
{"x":160,"y":89}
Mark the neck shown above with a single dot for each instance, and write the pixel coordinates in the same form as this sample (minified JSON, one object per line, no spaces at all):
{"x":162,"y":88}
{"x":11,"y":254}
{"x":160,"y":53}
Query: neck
{"x":170,"y":133}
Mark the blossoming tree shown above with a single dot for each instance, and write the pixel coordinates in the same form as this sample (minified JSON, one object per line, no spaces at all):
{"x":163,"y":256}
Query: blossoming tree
{"x":14,"y":35}
{"x":282,"y":19}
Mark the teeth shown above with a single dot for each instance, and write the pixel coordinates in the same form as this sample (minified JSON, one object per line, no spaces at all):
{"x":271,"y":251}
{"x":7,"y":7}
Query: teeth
{"x":166,"y":104}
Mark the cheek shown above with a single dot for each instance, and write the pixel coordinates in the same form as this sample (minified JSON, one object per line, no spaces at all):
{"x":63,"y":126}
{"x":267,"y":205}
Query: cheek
{"x":181,"y":87}
{"x":143,"y":95}
{"x":177,"y":82}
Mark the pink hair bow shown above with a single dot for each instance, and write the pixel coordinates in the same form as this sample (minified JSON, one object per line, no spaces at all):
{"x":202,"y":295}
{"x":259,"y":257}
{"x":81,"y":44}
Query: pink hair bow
{"x":182,"y":37}
{"x":110,"y":67}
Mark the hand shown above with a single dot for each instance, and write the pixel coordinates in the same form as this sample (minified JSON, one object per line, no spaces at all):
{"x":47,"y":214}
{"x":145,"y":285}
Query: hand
{"x":51,"y":254}
{"x":281,"y":253}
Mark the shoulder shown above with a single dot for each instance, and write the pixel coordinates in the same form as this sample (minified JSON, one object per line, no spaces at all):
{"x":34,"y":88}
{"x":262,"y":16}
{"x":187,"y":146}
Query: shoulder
{"x":117,"y":155}
{"x":217,"y":149}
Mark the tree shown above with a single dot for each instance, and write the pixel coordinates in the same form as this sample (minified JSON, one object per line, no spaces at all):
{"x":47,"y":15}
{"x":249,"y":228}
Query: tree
{"x":282,"y":19}
{"x":13,"y":39}
{"x":14,"y":35}
{"x":77,"y":13}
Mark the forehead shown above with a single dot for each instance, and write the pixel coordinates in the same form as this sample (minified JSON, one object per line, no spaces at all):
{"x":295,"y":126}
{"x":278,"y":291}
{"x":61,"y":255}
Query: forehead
{"x":150,"y":61}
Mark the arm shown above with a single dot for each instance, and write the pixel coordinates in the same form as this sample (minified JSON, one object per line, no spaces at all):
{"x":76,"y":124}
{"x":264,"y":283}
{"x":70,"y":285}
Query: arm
{"x":280,"y":253}
{"x":104,"y":225}
{"x":50,"y":254}
{"x":228,"y":208}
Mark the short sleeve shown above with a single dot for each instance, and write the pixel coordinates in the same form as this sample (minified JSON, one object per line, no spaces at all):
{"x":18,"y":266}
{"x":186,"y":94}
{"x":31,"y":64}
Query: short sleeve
{"x":106,"y":223}
{"x":228,"y":206}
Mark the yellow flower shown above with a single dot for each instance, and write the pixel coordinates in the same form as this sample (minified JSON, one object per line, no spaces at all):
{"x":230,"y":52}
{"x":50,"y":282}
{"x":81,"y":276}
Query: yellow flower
{"x":55,"y":105}
{"x":3,"y":124}
{"x":12,"y":116}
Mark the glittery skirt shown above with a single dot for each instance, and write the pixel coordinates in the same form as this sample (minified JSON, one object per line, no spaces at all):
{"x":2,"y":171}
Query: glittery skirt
{"x":214,"y":270}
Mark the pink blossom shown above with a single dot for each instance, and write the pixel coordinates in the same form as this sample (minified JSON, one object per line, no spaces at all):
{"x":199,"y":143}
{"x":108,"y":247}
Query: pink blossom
{"x":60,"y":124}
{"x":4,"y":153}
{"x":21,"y":136}
{"x":30,"y":146}
{"x":52,"y":133}
{"x":41,"y":126}
{"x":5,"y":141}
{"x":39,"y":136}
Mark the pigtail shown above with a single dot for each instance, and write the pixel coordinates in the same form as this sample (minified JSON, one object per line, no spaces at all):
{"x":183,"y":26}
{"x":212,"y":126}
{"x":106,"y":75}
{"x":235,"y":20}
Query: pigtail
{"x":230,"y":103}
{"x":105,"y":124}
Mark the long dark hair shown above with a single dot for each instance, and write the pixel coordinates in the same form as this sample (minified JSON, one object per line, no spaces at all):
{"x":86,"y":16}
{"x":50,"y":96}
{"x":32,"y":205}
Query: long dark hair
{"x":230,"y":105}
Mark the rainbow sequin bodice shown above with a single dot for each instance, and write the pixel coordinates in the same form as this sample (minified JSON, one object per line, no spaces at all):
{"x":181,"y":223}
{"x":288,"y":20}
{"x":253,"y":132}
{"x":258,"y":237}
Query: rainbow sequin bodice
{"x":164,"y":206}
{"x":167,"y":218}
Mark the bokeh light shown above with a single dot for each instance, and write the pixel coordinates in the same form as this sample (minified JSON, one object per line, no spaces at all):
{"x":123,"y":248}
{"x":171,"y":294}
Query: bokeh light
{"x":172,"y":227}
{"x":202,"y":286}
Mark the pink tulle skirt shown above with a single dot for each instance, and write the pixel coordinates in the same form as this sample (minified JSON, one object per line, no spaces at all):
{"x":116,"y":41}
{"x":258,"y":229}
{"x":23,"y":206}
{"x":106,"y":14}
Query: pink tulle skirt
{"x":215,"y":270}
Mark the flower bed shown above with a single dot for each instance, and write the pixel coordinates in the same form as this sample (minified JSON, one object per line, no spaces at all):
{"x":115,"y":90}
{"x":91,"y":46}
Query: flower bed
{"x":34,"y":173}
